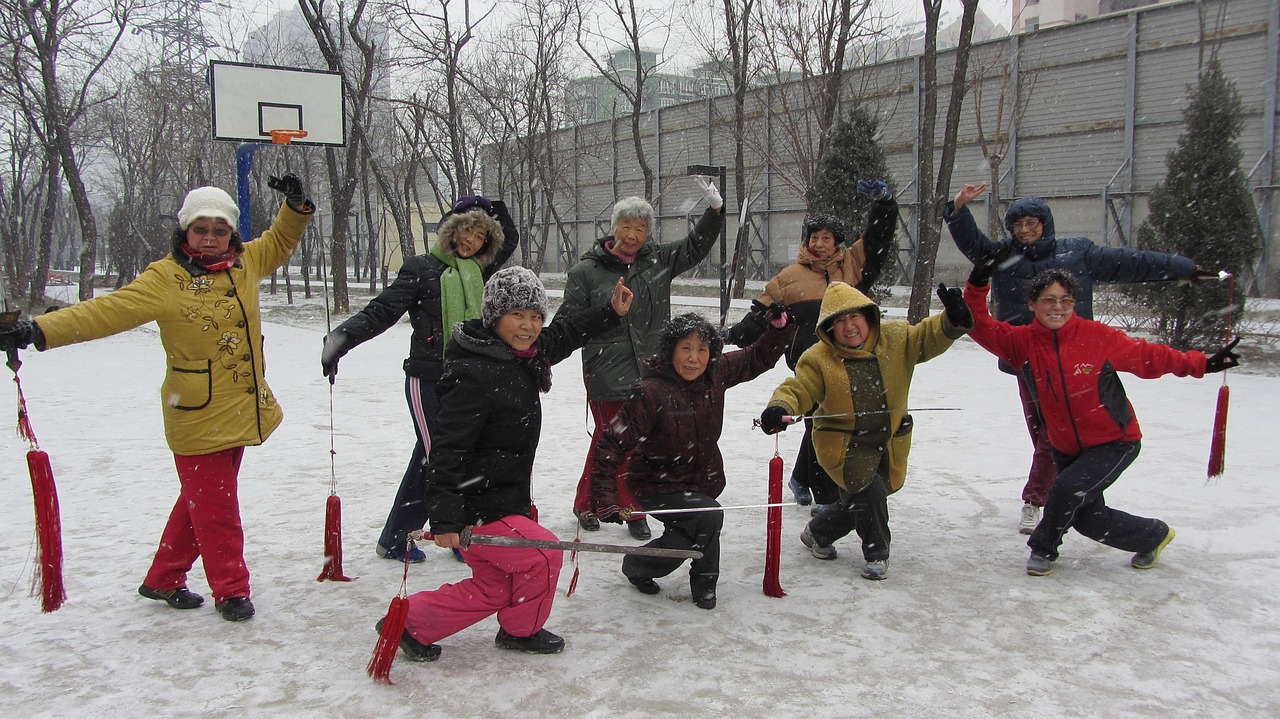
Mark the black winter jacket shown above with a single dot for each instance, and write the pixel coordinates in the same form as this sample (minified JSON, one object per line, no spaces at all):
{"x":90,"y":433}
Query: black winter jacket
{"x":416,"y":290}
{"x":490,"y":418}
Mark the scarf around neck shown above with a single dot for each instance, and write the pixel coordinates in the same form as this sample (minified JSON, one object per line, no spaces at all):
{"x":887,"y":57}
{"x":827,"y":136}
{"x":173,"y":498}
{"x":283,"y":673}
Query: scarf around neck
{"x":461,"y":291}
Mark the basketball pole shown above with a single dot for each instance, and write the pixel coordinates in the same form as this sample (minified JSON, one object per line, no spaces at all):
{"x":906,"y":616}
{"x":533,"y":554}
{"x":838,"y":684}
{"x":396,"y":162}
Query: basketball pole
{"x":244,"y":163}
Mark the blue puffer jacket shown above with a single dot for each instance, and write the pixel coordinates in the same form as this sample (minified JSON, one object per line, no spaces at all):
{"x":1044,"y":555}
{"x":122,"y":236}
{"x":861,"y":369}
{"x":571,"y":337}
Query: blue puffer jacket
{"x":1088,"y":262}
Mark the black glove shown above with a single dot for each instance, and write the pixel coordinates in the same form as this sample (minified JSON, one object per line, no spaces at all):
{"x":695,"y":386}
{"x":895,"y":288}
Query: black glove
{"x":335,"y":346}
{"x":988,"y":264}
{"x":749,"y":328}
{"x":771,"y":420}
{"x":467,"y":202}
{"x":20,"y":335}
{"x":878,"y":190}
{"x":777,"y":315}
{"x":291,"y":187}
{"x":953,"y":301}
{"x":1223,"y":358}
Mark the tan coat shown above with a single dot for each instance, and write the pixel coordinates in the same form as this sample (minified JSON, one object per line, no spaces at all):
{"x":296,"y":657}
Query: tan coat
{"x":215,"y":395}
{"x":821,"y":377}
{"x":807,"y":278}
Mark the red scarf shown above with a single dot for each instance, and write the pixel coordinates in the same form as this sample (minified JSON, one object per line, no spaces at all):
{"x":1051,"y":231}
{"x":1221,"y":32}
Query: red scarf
{"x":212,"y":263}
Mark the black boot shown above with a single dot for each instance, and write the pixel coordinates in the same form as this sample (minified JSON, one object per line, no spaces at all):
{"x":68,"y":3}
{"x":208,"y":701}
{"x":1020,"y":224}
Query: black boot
{"x":646,"y":586}
{"x":588,"y":523}
{"x":235,"y":609}
{"x":542,"y":642}
{"x":414,"y":650}
{"x":639,"y":528}
{"x":180,"y":598}
{"x":706,"y":600}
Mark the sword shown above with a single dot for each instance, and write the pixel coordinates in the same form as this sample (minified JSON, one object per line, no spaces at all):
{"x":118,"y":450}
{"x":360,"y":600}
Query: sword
{"x":468,"y":538}
{"x":796,"y":418}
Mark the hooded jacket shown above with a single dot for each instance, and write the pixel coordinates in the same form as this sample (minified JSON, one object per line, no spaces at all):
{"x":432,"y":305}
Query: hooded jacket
{"x":215,"y":394}
{"x":612,"y":362}
{"x":823,"y":378}
{"x":673,"y":425}
{"x":1087,"y":262}
{"x":416,"y":290}
{"x":1074,"y":370}
{"x":491,"y":416}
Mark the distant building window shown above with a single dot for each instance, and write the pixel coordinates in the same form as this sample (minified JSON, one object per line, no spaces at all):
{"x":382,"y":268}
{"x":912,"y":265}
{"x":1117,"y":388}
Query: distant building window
{"x":1032,"y":2}
{"x":1031,"y":24}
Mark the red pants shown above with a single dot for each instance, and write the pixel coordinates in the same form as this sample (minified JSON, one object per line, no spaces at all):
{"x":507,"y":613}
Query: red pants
{"x":205,"y":522}
{"x":603,"y":413}
{"x":1043,"y":470}
{"x":516,"y":582}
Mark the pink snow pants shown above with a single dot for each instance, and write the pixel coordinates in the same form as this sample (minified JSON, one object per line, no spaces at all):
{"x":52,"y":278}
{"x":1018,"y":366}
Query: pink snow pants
{"x":205,"y":522}
{"x":516,"y":582}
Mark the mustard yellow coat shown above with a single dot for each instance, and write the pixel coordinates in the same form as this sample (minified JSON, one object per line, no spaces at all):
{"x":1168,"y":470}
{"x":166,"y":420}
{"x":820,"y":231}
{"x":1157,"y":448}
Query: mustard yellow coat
{"x":821,"y":378}
{"x":215,"y":394}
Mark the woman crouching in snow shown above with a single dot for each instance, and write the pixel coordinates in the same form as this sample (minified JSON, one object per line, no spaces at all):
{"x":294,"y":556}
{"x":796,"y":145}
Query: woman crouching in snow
{"x":671,"y":423}
{"x":482,"y":463}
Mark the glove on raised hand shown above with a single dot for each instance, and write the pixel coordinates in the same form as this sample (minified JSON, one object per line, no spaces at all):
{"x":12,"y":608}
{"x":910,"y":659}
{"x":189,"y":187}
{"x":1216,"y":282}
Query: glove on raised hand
{"x":988,"y":264}
{"x":710,"y":192}
{"x":776,"y":314}
{"x":953,"y":301}
{"x":878,"y":190}
{"x":290,"y":186}
{"x":771,"y":420}
{"x":1223,"y":358}
{"x":20,"y":336}
{"x":467,"y":202}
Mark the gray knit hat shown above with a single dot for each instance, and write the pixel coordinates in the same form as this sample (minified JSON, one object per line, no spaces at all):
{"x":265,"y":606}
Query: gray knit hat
{"x":512,"y":288}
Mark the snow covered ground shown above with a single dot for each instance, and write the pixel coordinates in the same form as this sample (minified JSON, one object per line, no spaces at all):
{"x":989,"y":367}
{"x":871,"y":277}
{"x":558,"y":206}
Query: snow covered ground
{"x":958,"y":629}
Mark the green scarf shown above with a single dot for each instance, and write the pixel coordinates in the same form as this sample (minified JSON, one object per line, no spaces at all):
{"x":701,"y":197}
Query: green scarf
{"x":461,"y":291}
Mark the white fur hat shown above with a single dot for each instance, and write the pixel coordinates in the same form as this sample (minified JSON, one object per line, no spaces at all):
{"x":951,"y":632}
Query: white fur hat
{"x":512,"y":288}
{"x":212,"y":202}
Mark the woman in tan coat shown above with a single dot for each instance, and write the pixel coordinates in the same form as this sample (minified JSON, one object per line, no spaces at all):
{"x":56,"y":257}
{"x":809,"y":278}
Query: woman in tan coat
{"x":215,"y":399}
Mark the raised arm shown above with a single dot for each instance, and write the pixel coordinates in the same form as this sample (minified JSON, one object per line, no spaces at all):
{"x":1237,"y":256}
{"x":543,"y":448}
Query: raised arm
{"x":970,"y":240}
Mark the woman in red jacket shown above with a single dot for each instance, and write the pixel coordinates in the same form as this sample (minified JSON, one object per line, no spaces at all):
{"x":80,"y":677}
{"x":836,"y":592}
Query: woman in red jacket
{"x":1091,"y":424}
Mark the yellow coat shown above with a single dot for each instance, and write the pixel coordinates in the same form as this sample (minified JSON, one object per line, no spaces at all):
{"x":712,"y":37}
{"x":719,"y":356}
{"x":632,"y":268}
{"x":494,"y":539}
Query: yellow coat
{"x":821,"y":378}
{"x":215,"y":395}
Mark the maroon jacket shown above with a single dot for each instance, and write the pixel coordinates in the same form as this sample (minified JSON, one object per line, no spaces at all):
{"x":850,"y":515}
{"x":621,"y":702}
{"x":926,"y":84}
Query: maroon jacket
{"x":673,"y":426}
{"x":1080,"y":395}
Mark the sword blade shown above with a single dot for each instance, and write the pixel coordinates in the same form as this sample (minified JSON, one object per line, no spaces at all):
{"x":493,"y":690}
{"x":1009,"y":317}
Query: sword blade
{"x":495,"y":541}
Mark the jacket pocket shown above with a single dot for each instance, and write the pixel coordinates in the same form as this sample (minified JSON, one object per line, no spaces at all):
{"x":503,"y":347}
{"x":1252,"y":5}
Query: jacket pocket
{"x":188,"y":385}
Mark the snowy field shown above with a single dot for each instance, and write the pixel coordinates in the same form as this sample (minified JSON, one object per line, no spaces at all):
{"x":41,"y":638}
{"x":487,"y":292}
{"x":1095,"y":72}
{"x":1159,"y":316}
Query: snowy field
{"x":958,"y":629}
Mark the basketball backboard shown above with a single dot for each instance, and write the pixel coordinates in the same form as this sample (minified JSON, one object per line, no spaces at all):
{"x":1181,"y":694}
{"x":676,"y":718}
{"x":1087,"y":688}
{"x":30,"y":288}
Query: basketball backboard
{"x":249,"y":101}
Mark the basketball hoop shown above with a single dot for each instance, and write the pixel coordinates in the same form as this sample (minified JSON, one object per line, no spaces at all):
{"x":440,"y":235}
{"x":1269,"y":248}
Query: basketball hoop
{"x":284,"y":137}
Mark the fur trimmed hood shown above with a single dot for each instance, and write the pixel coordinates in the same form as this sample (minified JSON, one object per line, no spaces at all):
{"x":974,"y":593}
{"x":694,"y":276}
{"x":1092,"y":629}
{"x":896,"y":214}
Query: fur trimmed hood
{"x":451,"y":224}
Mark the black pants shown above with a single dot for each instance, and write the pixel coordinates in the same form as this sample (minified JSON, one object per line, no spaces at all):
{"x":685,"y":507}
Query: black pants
{"x":1076,"y":501}
{"x":409,"y":510}
{"x":808,"y":473}
{"x":689,"y":530}
{"x":866,"y":513}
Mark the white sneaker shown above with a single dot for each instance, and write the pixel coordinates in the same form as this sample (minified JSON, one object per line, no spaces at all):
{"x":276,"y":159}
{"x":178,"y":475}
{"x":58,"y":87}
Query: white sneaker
{"x":876,"y":570}
{"x":1030,"y":518}
{"x":815,"y":549}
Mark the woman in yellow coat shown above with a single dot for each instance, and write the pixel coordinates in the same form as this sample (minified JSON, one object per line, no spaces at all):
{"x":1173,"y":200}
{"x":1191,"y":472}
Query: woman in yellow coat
{"x":215,"y":398}
{"x":859,"y":375}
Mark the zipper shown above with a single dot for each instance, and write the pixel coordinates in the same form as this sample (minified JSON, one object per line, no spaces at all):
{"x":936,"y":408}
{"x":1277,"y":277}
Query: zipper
{"x":1066,"y":397}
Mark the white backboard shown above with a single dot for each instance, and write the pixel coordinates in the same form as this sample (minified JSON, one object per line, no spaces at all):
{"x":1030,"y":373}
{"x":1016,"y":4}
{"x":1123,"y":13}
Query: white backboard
{"x":249,"y":101}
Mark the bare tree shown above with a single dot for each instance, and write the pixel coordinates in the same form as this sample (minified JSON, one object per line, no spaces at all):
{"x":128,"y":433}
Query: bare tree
{"x":997,"y":118}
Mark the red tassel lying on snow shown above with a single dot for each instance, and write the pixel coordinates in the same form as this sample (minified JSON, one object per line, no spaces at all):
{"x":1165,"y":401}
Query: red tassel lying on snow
{"x":384,"y":652}
{"x":333,"y":542}
{"x":773,"y":538}
{"x":1218,"y":447}
{"x":48,"y":582}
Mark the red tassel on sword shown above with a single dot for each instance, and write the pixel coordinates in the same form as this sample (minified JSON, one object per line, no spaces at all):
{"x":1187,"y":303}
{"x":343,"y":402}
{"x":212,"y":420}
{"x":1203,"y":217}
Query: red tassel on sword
{"x":773,"y":535}
{"x":333,"y":542}
{"x":384,"y":652}
{"x":1218,"y":446}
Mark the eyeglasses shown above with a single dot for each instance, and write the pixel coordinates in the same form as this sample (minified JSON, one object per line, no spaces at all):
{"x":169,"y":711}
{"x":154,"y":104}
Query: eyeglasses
{"x":218,"y":232}
{"x":1029,"y":223}
{"x":1065,"y":303}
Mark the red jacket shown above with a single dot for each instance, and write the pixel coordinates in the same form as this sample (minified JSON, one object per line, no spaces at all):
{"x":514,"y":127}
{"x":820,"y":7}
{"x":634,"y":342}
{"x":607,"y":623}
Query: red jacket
{"x":1075,"y":372}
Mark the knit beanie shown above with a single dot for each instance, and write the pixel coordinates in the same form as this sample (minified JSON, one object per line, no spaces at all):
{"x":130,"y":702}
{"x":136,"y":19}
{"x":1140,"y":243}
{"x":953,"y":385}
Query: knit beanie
{"x":211,"y":202}
{"x":512,"y":288}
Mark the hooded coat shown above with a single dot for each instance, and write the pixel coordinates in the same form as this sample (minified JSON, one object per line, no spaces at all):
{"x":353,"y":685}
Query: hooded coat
{"x":674,"y":425}
{"x":1087,"y":262}
{"x":416,"y":290}
{"x":823,"y":377}
{"x":613,"y":361}
{"x":215,"y":394}
{"x":491,"y":416}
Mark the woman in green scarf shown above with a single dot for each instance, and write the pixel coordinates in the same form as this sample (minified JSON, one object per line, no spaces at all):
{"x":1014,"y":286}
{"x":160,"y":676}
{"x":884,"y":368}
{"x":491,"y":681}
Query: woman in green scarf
{"x":438,"y":289}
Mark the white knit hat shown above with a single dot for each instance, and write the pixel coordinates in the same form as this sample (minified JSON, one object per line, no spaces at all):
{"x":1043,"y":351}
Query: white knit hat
{"x":512,"y":288}
{"x":212,"y":202}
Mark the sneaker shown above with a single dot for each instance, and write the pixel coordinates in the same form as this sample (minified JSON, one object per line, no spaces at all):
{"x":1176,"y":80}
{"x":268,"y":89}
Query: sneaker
{"x":1147,"y":560}
{"x":1039,"y":566}
{"x":414,"y":650}
{"x":876,"y":569}
{"x":1030,"y":518}
{"x":235,"y":609}
{"x":588,"y":524}
{"x":806,"y":538}
{"x":639,"y":529}
{"x":543,"y":642}
{"x":803,"y":496}
{"x":416,"y":556}
{"x":818,"y":509}
{"x":706,"y":601}
{"x":180,"y":598}
{"x":646,"y":586}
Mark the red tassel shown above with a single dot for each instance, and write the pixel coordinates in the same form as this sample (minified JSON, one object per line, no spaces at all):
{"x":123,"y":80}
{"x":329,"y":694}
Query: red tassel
{"x":573,"y":559}
{"x":333,"y":542}
{"x":48,"y":532}
{"x":384,"y":652}
{"x":1218,"y":447}
{"x":773,"y":538}
{"x":533,"y":512}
